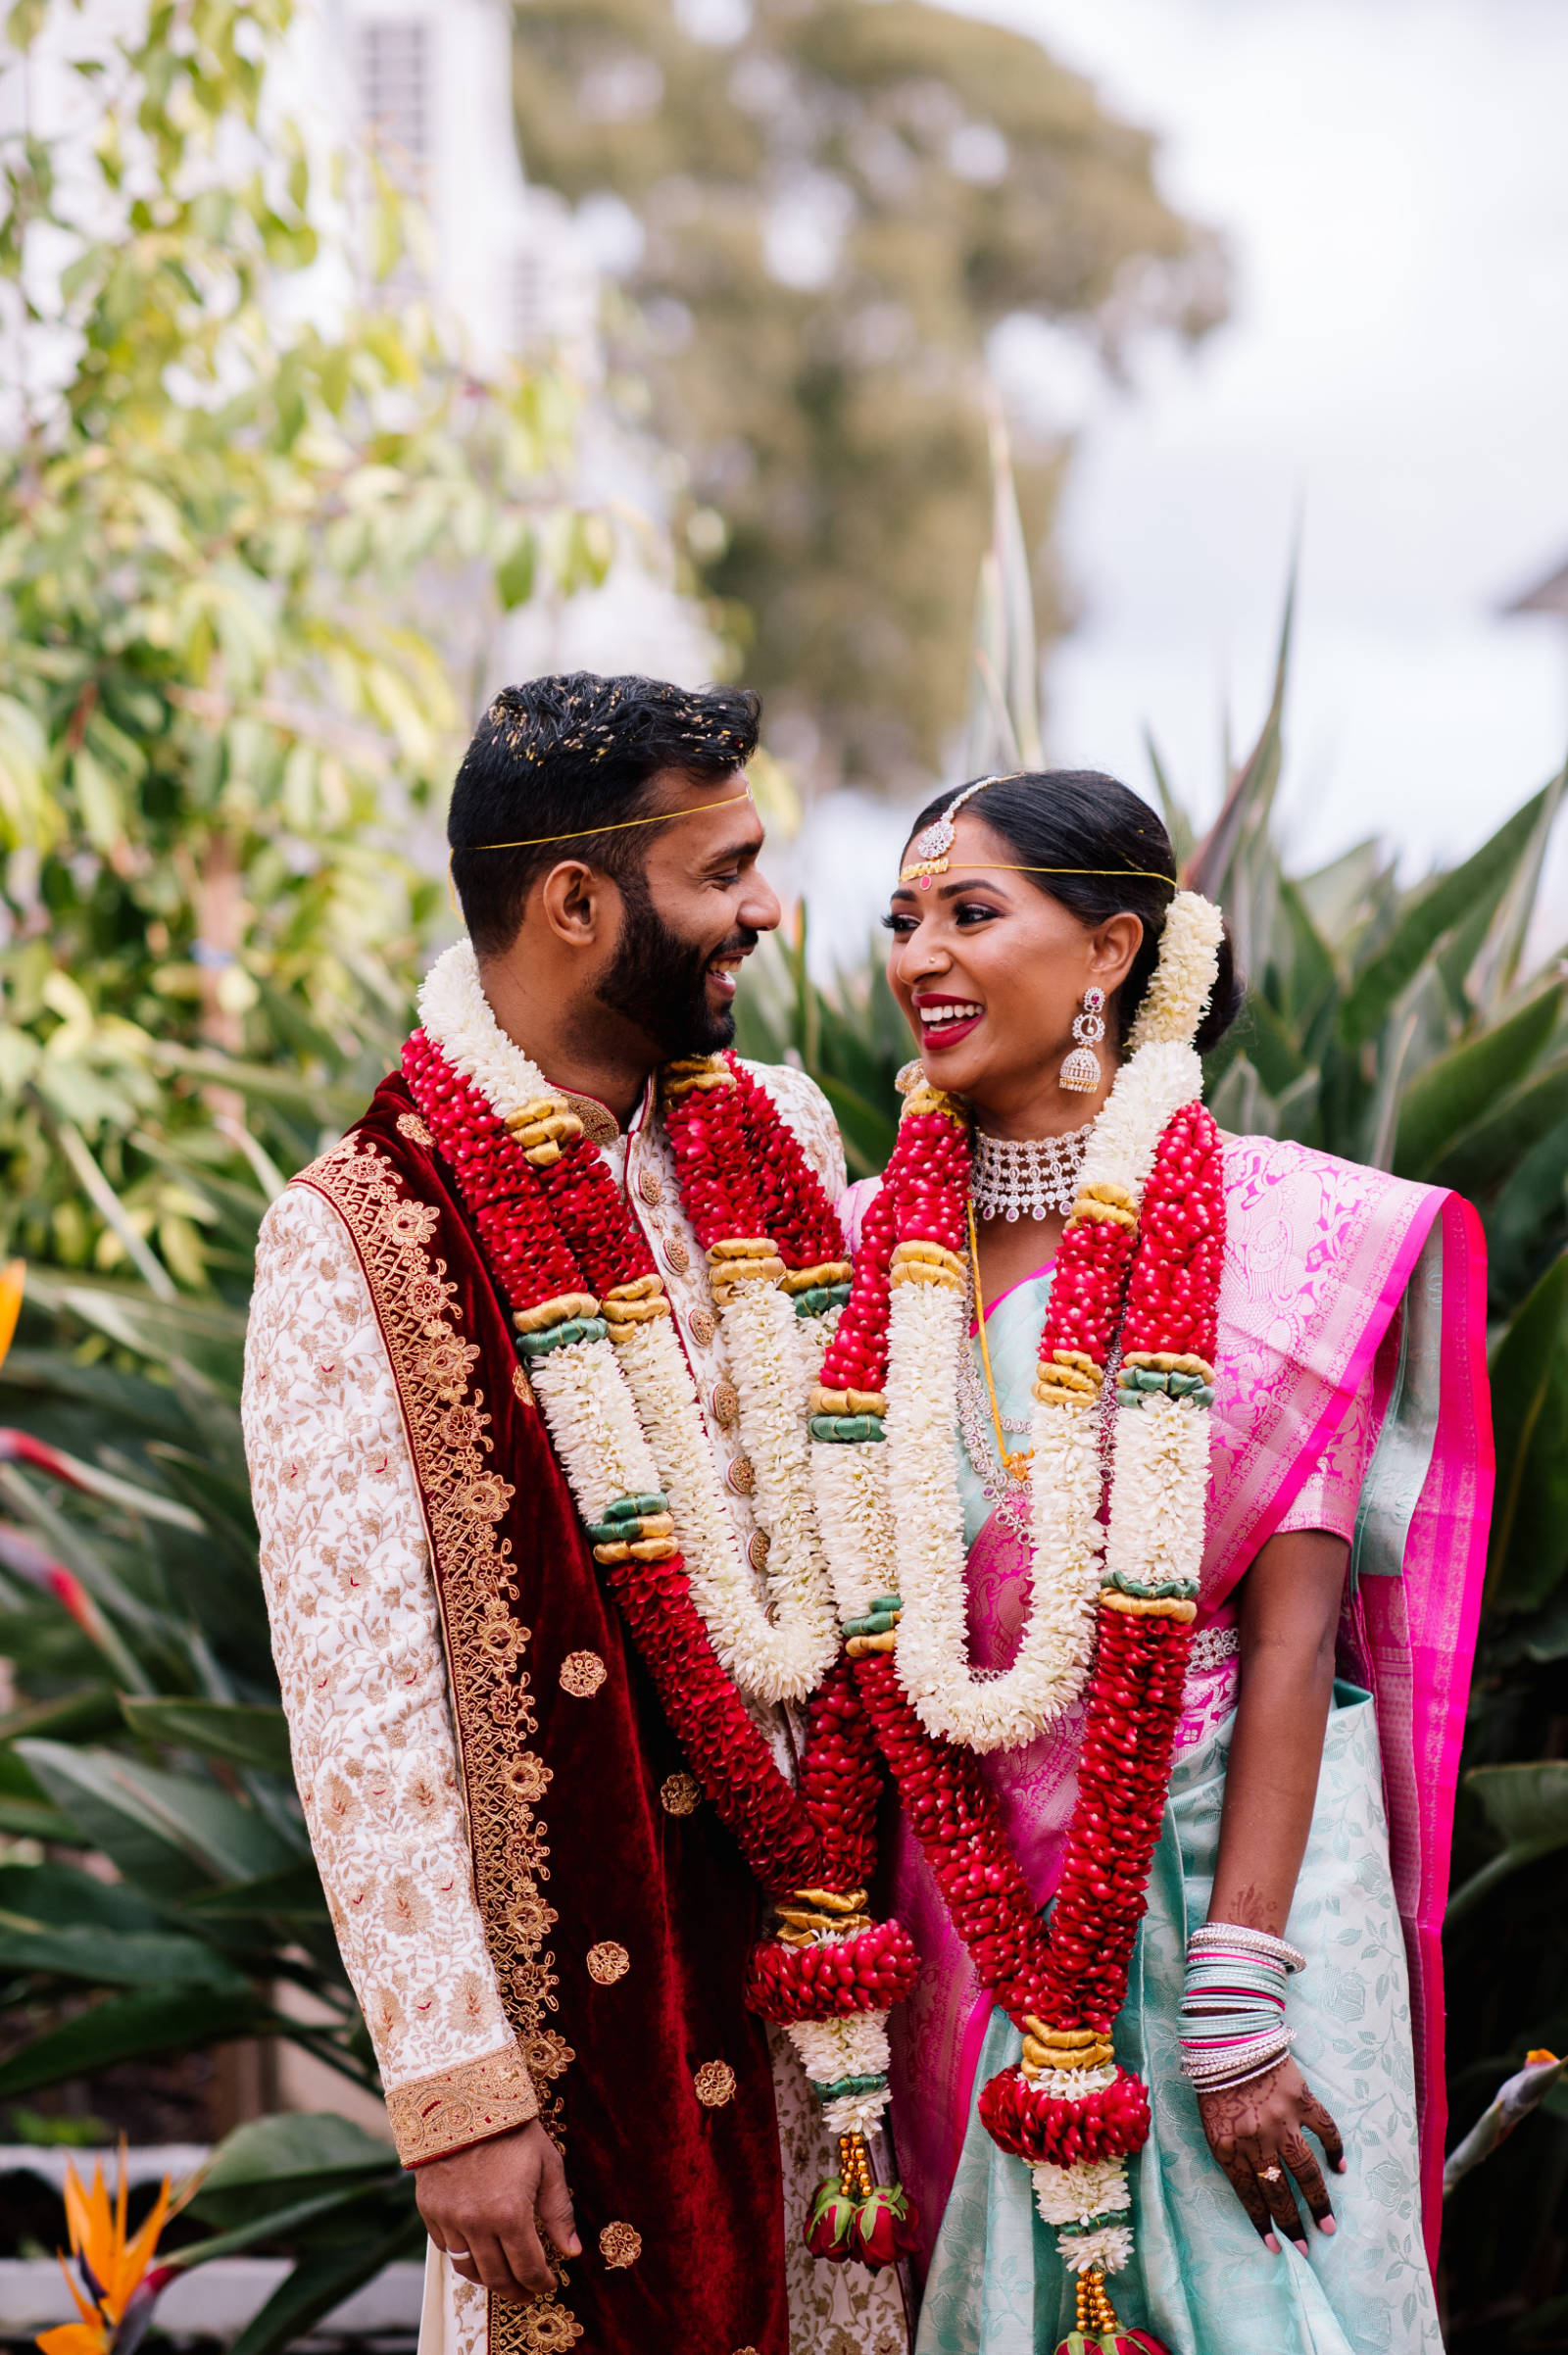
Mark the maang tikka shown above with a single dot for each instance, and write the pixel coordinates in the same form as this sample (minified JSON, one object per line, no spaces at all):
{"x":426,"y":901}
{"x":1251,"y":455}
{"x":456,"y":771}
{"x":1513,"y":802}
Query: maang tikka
{"x":1080,"y":1070}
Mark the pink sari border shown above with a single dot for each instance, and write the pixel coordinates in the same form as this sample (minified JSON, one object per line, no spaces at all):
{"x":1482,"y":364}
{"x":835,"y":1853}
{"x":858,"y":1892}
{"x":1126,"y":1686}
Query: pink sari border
{"x":1331,"y":1408}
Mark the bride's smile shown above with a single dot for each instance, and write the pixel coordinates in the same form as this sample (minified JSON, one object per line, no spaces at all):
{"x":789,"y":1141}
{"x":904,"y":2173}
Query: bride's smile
{"x":992,"y":972}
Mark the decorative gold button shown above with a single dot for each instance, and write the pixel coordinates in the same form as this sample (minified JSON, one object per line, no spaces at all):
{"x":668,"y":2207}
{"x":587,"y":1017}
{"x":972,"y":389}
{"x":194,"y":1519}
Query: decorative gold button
{"x":607,"y":1963}
{"x":758,"y":1546}
{"x":702,"y":1327}
{"x":725,"y":1402}
{"x":620,"y":2245}
{"x":523,"y":1388}
{"x":582,"y":1673}
{"x":651,"y":1186}
{"x":714,"y":2084}
{"x":741,"y":1476}
{"x":527,"y":1778}
{"x":678,"y":1257}
{"x":680,"y":1794}
{"x":410,"y":1125}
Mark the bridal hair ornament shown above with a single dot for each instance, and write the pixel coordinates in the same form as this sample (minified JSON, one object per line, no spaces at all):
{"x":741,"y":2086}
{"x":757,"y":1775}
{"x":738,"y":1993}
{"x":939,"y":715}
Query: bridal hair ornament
{"x":933,"y":846}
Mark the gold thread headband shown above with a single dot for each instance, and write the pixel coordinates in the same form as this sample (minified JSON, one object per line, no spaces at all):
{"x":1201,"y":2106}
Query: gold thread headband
{"x":660,"y":818}
{"x":540,"y":842}
{"x":937,"y":841}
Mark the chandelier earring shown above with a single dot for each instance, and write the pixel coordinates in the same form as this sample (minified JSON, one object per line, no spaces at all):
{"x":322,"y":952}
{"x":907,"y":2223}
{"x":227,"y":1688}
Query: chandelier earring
{"x":1080,"y":1070}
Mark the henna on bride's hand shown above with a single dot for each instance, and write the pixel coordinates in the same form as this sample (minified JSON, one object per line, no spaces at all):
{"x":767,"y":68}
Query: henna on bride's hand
{"x":1257,"y":2129}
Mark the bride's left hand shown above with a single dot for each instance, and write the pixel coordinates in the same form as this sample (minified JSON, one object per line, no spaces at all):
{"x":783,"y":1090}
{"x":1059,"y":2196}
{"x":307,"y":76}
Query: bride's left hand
{"x":1257,"y":2134}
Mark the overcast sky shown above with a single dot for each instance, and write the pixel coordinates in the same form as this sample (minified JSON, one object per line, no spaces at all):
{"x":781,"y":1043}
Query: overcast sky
{"x":1390,"y":176}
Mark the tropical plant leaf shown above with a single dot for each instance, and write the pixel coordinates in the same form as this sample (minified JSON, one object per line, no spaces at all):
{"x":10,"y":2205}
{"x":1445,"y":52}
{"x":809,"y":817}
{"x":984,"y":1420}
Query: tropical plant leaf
{"x":63,"y":1898}
{"x":127,"y":1959}
{"x":1243,"y":815}
{"x":1429,"y":915}
{"x":293,"y":2157}
{"x":1479,"y":1156}
{"x":1451,"y":1093}
{"x":241,"y":1736}
{"x":1526,"y":1807}
{"x":135,"y":2028}
{"x":294,"y":1895}
{"x":1530,"y":1420}
{"x":168,"y":1833}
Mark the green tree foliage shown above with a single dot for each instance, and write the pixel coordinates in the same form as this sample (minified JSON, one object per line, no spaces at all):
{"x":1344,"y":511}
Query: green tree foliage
{"x":222,"y":527}
{"x":827,"y":403}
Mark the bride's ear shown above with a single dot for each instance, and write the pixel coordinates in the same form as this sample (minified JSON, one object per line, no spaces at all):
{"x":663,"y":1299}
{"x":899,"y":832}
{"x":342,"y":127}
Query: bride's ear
{"x":1112,"y":947}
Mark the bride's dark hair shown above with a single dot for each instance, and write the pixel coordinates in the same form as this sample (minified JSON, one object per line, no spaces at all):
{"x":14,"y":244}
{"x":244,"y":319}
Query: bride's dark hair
{"x":1074,"y":819}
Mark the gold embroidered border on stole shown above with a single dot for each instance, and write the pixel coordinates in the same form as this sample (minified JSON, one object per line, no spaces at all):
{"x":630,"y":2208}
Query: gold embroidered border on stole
{"x":462,"y":1498}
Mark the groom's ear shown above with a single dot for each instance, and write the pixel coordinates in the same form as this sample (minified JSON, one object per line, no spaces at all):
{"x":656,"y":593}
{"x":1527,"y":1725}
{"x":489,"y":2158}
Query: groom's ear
{"x":580,"y":905}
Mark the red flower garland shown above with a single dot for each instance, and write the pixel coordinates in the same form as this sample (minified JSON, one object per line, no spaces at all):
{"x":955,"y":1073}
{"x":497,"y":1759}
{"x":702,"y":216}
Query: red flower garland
{"x":1074,"y":1976}
{"x":566,"y":1229}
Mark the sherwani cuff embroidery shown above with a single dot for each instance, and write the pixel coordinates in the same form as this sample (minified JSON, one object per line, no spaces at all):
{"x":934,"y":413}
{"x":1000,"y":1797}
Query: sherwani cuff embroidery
{"x":434,"y":2116}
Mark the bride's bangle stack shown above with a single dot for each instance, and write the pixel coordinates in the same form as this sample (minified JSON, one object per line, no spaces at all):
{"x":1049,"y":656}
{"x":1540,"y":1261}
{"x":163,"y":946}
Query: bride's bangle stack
{"x":1233,"y":2005}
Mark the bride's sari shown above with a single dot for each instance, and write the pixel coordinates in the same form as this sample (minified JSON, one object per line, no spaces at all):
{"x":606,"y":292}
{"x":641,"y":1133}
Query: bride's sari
{"x":1351,"y":1398}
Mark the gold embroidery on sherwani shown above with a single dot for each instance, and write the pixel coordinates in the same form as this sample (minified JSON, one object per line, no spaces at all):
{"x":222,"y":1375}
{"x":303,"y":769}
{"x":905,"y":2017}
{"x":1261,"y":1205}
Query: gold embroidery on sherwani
{"x":462,"y":1498}
{"x":620,"y":2245}
{"x":713,"y":2083}
{"x":607,"y":1962}
{"x":581,"y":1674}
{"x":459,"y":2105}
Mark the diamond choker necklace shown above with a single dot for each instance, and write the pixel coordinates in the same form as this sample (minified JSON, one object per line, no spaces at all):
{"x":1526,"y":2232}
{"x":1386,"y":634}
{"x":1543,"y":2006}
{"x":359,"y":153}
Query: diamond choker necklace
{"x":1027,"y":1177}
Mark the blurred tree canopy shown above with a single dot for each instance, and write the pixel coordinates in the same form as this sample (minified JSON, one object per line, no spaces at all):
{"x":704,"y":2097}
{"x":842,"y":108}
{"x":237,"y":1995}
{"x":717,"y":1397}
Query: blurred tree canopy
{"x":233,"y":473}
{"x":839,"y":203}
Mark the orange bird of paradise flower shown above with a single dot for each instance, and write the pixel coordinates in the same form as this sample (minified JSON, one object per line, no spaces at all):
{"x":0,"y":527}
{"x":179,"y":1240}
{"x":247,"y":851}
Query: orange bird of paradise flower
{"x":119,"y":2282}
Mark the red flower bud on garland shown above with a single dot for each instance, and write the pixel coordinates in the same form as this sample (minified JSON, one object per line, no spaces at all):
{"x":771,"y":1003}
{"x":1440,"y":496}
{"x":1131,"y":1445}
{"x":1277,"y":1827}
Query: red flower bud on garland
{"x":1112,"y":2123}
{"x":869,"y":1972}
{"x":886,"y":2227}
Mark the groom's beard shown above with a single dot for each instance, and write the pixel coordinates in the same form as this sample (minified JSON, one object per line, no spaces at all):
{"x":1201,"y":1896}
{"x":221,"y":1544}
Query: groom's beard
{"x":660,"y":981}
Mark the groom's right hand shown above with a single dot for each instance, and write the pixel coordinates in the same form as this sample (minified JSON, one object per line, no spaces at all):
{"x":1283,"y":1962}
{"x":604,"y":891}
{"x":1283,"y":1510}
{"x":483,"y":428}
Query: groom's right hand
{"x":481,"y":2204}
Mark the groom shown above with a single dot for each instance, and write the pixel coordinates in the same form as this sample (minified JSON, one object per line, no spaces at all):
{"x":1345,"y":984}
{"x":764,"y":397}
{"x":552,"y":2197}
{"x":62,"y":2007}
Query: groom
{"x":544,"y":1923}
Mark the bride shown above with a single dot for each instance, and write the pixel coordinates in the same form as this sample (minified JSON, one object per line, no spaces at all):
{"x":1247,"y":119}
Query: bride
{"x":1172,"y":1549}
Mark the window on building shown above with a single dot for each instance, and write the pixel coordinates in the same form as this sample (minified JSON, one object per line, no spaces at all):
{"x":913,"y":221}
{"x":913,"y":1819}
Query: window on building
{"x":531,"y":320}
{"x":395,"y":94}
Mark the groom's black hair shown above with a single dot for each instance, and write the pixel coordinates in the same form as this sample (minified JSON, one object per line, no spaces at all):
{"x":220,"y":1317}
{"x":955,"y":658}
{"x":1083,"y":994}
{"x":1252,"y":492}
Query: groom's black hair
{"x":569,"y":752}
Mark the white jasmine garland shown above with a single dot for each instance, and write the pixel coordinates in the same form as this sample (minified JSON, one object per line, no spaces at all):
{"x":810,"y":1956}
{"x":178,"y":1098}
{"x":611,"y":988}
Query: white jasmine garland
{"x":764,"y":1361}
{"x":593,"y":1426}
{"x":992,"y":1712}
{"x":1075,"y":2085}
{"x":455,"y":1014}
{"x":783,"y":1658}
{"x":1183,"y":982}
{"x":1110,"y":2248}
{"x":851,"y":2045}
{"x":1071,"y":2196}
{"x":855,"y":2044}
{"x":855,"y":1513}
{"x":856,"y":2113}
{"x":1159,"y":1489}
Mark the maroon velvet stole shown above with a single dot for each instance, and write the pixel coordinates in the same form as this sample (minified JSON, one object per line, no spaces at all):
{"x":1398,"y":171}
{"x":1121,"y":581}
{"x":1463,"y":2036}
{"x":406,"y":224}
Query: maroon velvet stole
{"x":618,"y":1911}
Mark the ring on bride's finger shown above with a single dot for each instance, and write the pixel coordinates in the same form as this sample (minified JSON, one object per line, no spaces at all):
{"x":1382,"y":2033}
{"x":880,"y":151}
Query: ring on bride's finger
{"x":461,"y":2256}
{"x":1268,"y":2175}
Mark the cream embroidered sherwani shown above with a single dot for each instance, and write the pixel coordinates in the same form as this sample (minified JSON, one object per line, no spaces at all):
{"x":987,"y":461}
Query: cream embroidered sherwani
{"x":358,"y":1641}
